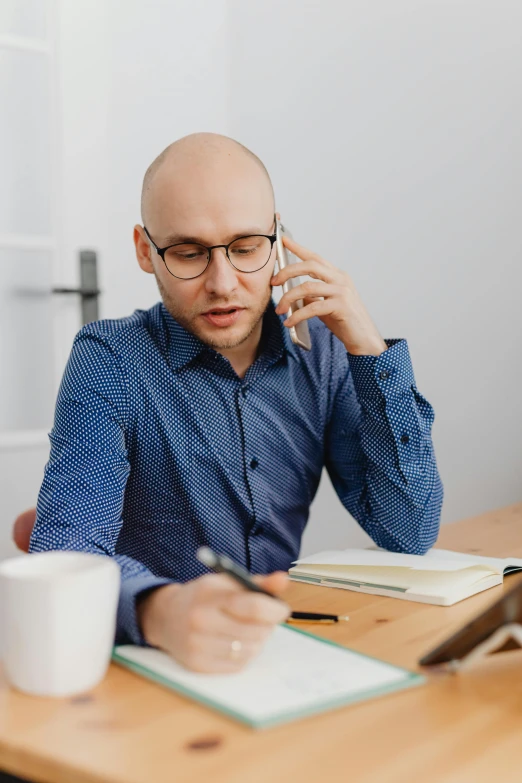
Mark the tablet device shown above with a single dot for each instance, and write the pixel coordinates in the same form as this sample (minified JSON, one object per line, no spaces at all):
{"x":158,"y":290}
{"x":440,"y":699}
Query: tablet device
{"x":507,"y":609}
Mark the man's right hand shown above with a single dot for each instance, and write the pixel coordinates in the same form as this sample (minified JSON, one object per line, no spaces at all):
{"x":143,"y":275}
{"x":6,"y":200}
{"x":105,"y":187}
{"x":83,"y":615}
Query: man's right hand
{"x":212,"y":624}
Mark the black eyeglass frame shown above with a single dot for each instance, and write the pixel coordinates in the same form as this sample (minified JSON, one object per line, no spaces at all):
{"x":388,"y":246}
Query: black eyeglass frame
{"x":162,"y":250}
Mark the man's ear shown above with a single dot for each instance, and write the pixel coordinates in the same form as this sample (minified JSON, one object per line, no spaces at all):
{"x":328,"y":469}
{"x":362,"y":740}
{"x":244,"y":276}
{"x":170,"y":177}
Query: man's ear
{"x":143,"y":249}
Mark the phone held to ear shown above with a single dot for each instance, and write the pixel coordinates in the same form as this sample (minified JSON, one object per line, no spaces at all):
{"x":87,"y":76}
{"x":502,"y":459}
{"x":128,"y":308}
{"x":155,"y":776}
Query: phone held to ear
{"x":300,"y":334}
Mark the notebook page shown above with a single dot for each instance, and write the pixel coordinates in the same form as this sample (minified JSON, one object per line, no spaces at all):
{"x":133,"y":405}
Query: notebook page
{"x":434,"y":559}
{"x":373,"y":557}
{"x":497,"y":564}
{"x":294,"y":673}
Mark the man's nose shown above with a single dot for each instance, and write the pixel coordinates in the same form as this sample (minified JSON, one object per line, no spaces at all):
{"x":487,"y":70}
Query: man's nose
{"x":221,"y":277}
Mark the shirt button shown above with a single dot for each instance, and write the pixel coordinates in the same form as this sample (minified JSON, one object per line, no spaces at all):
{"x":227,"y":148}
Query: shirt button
{"x":405,"y":439}
{"x":244,"y":390}
{"x":384,"y":375}
{"x":254,"y":463}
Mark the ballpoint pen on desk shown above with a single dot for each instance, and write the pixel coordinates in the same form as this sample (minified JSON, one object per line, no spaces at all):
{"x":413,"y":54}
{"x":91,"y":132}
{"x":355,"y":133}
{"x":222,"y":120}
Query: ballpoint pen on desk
{"x":222,"y":564}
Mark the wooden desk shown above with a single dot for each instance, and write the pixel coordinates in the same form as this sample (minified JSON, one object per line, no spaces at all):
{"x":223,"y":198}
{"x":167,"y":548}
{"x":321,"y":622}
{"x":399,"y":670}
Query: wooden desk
{"x":456,"y":729}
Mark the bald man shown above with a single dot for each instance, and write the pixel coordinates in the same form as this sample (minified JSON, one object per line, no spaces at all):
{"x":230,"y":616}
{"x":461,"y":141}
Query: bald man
{"x":199,"y":422}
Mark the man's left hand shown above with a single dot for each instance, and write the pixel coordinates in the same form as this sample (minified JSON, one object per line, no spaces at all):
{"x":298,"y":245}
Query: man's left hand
{"x":341,"y":309}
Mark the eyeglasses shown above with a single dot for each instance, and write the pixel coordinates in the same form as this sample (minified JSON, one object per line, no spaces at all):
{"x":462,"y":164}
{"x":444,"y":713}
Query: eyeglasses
{"x":187,"y":260}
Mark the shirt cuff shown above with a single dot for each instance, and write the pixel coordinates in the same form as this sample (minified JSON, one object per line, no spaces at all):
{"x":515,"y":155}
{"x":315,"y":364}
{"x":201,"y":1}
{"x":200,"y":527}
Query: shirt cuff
{"x":127,"y":628}
{"x":389,"y":374}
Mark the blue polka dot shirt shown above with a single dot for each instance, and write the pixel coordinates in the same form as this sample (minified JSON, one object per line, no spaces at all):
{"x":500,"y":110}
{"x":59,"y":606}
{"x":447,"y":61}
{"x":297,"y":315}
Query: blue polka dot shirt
{"x":158,"y":447}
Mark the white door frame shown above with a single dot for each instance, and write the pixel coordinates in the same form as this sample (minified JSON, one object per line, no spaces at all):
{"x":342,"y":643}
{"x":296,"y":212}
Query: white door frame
{"x":53,"y":242}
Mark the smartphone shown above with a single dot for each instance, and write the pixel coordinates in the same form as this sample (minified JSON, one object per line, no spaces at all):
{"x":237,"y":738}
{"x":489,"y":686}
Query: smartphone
{"x":300,"y":334}
{"x":508,"y":609}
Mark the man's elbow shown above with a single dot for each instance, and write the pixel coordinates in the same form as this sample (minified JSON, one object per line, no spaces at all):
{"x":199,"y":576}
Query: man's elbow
{"x":423,"y":534}
{"x":23,"y":528}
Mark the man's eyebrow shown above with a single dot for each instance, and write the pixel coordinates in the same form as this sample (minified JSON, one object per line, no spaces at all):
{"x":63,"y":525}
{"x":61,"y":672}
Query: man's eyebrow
{"x":177,"y":239}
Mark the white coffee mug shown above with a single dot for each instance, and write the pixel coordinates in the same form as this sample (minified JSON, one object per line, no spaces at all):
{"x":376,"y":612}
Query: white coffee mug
{"x":57,"y":620}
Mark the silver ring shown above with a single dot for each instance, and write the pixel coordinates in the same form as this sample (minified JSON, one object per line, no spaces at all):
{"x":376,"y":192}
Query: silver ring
{"x":235,"y":649}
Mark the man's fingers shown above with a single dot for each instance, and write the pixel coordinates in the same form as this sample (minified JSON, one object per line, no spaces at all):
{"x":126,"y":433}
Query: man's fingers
{"x":302,"y":252}
{"x":224,"y":606}
{"x":222,"y":647}
{"x":308,"y":290}
{"x":258,"y":609}
{"x":317,"y":307}
{"x":215,"y":620}
{"x":311,"y":267}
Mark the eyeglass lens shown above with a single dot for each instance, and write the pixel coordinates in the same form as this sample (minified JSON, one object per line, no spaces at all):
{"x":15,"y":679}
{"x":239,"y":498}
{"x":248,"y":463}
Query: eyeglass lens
{"x":247,"y":254}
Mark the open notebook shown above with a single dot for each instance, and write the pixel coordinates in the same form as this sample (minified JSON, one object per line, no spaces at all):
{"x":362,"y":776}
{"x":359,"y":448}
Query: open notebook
{"x":439,"y":577}
{"x":295,"y":675}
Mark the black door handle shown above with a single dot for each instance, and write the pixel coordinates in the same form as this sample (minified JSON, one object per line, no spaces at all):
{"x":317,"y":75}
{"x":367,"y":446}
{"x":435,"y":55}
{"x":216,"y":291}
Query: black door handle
{"x":88,"y":290}
{"x":82,"y":291}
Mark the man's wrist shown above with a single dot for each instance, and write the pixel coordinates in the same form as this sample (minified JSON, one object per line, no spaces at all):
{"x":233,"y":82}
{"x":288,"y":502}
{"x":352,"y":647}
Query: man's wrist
{"x":150,"y":612}
{"x":374,"y":347}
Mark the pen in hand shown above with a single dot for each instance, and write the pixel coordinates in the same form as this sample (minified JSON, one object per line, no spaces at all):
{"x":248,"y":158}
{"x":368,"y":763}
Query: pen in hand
{"x":222,"y":564}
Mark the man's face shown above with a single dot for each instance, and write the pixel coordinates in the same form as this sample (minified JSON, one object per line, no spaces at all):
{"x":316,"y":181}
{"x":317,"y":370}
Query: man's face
{"x":212,"y":204}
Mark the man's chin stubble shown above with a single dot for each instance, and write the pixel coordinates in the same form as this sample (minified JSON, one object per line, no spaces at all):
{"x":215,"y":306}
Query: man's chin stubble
{"x":213,"y":341}
{"x":223,"y":343}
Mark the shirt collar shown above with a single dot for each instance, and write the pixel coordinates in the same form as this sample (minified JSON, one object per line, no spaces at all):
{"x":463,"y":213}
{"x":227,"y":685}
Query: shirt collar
{"x":183,"y":346}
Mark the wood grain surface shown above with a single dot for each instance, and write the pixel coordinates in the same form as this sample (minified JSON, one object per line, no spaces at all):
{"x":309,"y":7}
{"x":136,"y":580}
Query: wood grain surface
{"x":464,"y":728}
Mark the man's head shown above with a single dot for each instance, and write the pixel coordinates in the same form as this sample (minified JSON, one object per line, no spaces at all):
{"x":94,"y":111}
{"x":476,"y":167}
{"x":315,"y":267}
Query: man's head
{"x":209,"y":189}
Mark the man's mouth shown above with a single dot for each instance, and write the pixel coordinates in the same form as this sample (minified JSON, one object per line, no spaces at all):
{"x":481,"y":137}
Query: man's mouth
{"x":223,"y":316}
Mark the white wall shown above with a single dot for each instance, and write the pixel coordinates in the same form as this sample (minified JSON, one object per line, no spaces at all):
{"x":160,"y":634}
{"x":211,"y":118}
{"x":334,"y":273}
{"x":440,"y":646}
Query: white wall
{"x":136,"y":76}
{"x":392,"y":131}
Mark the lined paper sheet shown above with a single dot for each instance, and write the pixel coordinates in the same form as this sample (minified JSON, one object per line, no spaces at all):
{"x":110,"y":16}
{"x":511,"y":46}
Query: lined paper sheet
{"x":296,"y":674}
